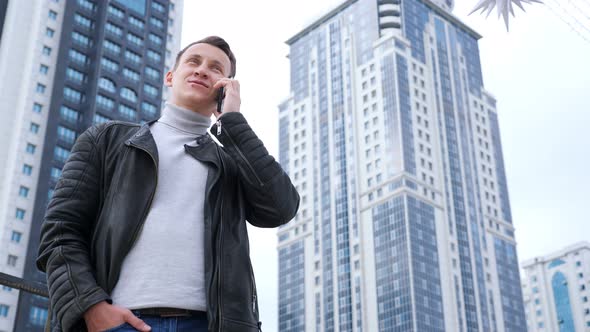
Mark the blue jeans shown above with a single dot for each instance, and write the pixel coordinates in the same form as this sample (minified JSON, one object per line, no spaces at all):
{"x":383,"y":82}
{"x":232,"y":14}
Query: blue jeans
{"x":167,"y":324}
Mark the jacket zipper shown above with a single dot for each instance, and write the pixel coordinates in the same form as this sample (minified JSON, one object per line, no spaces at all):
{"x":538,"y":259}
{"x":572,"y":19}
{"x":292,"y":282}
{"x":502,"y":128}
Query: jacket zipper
{"x":254,"y":297}
{"x":219,"y":259}
{"x":219,"y":255}
{"x":241,"y":154}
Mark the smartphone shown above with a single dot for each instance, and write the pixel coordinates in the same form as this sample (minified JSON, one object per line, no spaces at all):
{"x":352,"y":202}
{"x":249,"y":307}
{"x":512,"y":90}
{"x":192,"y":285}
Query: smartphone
{"x":220,"y":97}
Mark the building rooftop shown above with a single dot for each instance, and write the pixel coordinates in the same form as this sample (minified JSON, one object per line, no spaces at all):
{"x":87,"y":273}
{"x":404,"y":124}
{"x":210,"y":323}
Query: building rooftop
{"x":440,"y":11}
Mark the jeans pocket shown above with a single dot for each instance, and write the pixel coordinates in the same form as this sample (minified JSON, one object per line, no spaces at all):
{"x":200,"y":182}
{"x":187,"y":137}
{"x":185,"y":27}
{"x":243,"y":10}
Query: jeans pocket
{"x":121,"y":328}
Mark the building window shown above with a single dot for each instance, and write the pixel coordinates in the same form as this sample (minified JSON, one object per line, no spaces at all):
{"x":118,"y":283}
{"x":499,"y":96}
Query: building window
{"x":81,"y":39}
{"x":37,"y":108}
{"x":49,"y":32}
{"x":31,"y":148}
{"x":55,"y":173}
{"x":4,"y":310}
{"x":23,"y":191}
{"x":20,"y":214}
{"x":27,"y":169}
{"x":105,"y":102}
{"x":73,"y":95}
{"x":46,"y":50}
{"x":52,"y":15}
{"x":40,"y":88}
{"x":65,"y":134}
{"x":88,"y":5}
{"x":112,"y":47}
{"x":148,"y":109}
{"x":69,"y":114}
{"x":158,"y":7}
{"x":37,"y":316}
{"x":98,"y":118}
{"x":34,"y":128}
{"x":115,"y":12}
{"x":114,"y":29}
{"x":133,"y":57}
{"x":131,"y":74}
{"x":60,"y":154}
{"x":83,"y":21}
{"x":562,"y":301}
{"x":135,"y":39}
{"x":136,"y":22}
{"x":43,"y":69}
{"x":129,"y":94}
{"x":109,"y":64}
{"x":150,"y":90}
{"x":78,"y":57}
{"x":155,"y":39}
{"x":157,"y":22}
{"x":154,"y":56}
{"x":128,"y":112}
{"x":75,"y":75}
{"x":152,"y":73}
{"x":15,"y":237}
{"x":106,"y":84}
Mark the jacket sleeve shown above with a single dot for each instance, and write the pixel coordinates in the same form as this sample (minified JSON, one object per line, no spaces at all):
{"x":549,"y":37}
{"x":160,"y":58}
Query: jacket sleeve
{"x":271,"y":197}
{"x":66,"y":231}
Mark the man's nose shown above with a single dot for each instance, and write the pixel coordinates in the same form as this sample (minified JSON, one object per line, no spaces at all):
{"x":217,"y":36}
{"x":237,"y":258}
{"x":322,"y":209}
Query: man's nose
{"x":201,"y":71}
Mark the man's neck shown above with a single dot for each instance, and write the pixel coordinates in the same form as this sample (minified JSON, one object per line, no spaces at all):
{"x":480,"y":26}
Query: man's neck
{"x":205,"y":110}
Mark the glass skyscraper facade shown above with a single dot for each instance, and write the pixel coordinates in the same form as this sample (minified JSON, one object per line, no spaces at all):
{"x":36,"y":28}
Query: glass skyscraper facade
{"x":394,"y":145}
{"x":72,"y":64}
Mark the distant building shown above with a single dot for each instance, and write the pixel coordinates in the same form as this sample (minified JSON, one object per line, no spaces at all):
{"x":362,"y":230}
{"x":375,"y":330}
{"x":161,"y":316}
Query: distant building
{"x":556,"y":290}
{"x":65,"y":65}
{"x":394,"y":145}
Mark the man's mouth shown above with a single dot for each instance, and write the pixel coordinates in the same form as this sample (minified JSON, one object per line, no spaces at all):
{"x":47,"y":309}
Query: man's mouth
{"x":199,"y":82}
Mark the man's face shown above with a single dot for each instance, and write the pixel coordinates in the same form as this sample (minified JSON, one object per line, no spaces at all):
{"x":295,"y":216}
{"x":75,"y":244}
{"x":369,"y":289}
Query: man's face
{"x":199,"y":68}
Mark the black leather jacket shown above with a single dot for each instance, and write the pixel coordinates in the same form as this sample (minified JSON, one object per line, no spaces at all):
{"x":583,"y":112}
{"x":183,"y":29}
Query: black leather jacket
{"x":104,"y":194}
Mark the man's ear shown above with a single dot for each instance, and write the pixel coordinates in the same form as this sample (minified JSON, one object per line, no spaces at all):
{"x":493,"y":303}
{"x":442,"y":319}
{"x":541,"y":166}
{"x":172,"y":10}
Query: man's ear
{"x":168,"y":79}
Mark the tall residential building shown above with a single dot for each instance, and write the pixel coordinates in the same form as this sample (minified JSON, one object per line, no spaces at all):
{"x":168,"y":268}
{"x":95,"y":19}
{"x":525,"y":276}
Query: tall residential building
{"x":66,"y":64}
{"x":556,"y":289}
{"x":394,"y":146}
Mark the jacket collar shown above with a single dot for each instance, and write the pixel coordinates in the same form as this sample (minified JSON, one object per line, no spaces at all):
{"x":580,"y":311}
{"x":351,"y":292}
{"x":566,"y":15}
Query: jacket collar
{"x":144,"y":140}
{"x":205,"y":151}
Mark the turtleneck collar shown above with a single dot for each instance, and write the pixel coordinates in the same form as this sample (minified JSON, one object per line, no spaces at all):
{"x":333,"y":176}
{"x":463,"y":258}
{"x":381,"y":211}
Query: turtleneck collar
{"x":184,"y":119}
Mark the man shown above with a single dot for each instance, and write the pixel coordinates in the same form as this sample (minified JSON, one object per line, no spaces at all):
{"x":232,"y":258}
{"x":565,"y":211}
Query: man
{"x":146,"y":227}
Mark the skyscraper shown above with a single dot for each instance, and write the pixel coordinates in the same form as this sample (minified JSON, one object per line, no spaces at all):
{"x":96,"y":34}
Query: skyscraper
{"x":65,"y":65}
{"x":394,"y":145}
{"x":556,"y":290}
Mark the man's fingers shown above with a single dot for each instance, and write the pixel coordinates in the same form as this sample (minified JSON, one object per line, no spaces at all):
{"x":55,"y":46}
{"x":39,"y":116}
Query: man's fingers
{"x":137,"y":323}
{"x":228,"y":83}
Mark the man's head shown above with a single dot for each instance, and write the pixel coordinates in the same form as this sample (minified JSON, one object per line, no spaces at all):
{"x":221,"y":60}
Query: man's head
{"x":213,"y":41}
{"x":197,"y":68}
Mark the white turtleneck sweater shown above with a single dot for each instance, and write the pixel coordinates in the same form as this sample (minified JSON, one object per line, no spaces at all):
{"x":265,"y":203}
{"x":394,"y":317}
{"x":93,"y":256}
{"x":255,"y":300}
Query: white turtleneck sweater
{"x":165,"y":267}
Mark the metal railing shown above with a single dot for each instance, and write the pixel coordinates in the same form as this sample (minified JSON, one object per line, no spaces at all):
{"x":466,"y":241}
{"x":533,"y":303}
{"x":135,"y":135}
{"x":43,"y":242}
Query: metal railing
{"x":24,"y":285}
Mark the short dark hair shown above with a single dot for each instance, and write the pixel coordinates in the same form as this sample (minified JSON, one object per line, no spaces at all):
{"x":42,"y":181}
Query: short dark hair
{"x":216,"y":41}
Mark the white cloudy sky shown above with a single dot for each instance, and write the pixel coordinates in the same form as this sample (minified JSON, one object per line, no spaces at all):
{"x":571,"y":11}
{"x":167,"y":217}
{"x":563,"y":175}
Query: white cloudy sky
{"x":539,"y":72}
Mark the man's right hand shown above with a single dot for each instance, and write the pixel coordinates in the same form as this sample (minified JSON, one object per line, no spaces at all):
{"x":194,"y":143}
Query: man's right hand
{"x":103,"y":316}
